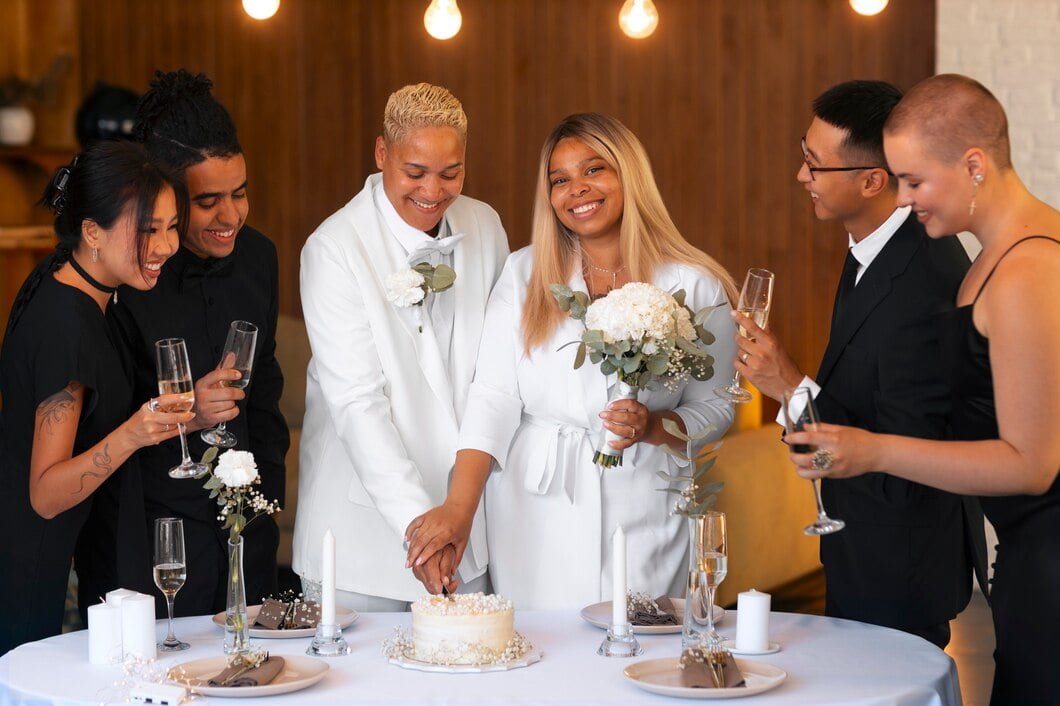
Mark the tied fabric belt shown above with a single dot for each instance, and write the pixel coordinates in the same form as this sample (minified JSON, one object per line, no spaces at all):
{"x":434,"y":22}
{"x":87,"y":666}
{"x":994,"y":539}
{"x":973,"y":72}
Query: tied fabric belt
{"x":555,"y":463}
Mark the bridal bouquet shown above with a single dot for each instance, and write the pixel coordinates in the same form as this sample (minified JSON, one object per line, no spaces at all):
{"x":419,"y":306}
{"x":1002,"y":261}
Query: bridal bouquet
{"x":647,"y":336}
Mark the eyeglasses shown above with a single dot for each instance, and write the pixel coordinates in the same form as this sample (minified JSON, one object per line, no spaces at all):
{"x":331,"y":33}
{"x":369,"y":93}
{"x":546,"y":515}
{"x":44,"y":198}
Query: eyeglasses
{"x":814,"y":170}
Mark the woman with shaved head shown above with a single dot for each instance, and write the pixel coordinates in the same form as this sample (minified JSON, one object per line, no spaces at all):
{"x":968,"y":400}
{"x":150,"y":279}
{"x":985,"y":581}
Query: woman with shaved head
{"x":947,"y":142}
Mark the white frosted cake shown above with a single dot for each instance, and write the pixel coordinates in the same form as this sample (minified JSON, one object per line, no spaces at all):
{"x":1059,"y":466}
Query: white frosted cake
{"x":470,"y":628}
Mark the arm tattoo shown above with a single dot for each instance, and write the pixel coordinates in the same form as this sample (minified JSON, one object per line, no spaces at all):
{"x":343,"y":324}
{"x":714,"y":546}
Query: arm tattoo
{"x":102,"y":461}
{"x":55,"y":409}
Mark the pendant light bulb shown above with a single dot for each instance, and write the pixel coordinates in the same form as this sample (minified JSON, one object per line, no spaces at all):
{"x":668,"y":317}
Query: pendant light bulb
{"x":442,"y":19}
{"x":868,"y":7}
{"x":638,"y":18}
{"x":261,"y":9}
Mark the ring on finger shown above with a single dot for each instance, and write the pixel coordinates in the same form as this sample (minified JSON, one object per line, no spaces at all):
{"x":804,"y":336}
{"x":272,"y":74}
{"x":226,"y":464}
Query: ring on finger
{"x":822,"y":460}
{"x":744,"y":356}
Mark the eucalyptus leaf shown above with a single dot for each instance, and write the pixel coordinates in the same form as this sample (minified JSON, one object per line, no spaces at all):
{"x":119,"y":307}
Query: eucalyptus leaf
{"x":669,"y":450}
{"x":209,"y":455}
{"x":561,"y":291}
{"x":705,"y":335}
{"x":703,"y":374}
{"x":582,"y":298}
{"x":679,"y":297}
{"x":673,"y":429}
{"x":631,"y":365}
{"x":669,"y":490}
{"x":577,"y":310}
{"x":712,"y":488}
{"x":593,"y":335}
{"x":595,"y":357}
{"x":579,"y":357}
{"x":685,"y":345}
{"x":229,"y":521}
{"x":444,"y":276}
{"x":424,"y":268}
{"x":658,"y":364}
{"x":607,"y":367}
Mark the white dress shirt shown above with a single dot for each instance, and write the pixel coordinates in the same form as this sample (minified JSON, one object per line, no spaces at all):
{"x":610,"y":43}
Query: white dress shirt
{"x":439,"y":306}
{"x":864,"y":251}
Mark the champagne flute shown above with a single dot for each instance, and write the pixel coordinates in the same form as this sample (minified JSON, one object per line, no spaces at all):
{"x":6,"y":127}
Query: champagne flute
{"x":239,"y":354}
{"x":174,"y":380}
{"x":755,"y":300}
{"x":170,"y":571}
{"x":802,"y":397}
{"x":708,"y":565}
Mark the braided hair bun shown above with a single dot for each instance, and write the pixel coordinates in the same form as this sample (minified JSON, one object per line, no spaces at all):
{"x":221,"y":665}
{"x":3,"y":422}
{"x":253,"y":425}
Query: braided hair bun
{"x":181,"y":123}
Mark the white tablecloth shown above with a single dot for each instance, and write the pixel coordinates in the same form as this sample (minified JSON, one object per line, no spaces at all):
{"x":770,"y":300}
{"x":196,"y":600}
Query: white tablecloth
{"x":828,"y":661}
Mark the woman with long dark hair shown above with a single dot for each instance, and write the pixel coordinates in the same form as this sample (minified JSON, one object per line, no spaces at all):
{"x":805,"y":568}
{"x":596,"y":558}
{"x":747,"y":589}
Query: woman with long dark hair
{"x":66,"y":427}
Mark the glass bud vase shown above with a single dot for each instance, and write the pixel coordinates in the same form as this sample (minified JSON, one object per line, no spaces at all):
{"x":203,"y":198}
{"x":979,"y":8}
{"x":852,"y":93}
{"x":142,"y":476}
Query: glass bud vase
{"x":707,"y":559}
{"x":237,"y":638}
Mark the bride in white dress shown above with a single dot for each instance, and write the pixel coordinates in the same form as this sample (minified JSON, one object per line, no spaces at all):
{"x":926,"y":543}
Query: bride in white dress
{"x":531,"y":420}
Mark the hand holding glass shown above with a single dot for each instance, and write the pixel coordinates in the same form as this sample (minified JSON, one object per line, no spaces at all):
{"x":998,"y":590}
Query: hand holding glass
{"x":170,"y":571}
{"x":755,"y":299}
{"x":802,"y":398}
{"x":239,"y":354}
{"x":174,"y":379}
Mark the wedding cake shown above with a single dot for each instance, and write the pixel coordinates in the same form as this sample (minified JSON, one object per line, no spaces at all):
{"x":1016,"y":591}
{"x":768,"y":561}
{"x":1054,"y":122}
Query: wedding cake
{"x":470,"y":628}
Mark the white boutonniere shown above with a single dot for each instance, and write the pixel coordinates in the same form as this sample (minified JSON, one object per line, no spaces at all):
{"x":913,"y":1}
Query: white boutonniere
{"x":410,"y":287}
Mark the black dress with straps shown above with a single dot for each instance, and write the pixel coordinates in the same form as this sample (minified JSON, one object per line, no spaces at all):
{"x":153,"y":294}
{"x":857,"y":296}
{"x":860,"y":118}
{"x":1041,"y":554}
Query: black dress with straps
{"x":1025,"y":597}
{"x":61,"y":336}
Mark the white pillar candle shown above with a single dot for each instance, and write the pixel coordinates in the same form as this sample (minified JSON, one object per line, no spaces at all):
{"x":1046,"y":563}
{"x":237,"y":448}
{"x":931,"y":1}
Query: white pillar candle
{"x":116,"y":596}
{"x":752,"y":621}
{"x":327,"y":582}
{"x":104,"y":633}
{"x":138,"y":626}
{"x":618,"y":585}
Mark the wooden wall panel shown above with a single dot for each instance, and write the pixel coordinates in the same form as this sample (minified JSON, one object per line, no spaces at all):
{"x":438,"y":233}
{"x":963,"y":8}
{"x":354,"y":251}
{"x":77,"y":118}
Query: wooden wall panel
{"x":720,"y":95}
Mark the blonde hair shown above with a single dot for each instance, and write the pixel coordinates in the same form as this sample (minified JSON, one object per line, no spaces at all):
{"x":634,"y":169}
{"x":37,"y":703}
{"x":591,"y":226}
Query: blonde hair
{"x":648,"y":235}
{"x":422,"y":105}
{"x":953,"y":113}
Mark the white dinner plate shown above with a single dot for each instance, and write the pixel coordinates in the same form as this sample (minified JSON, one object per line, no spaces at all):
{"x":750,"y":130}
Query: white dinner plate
{"x":408,"y":663}
{"x":663,"y":676}
{"x":599,"y":614}
{"x":344,"y":616}
{"x":298,"y":673}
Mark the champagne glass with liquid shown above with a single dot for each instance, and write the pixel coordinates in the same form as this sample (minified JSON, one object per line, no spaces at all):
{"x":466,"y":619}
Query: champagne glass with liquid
{"x":708,"y":562}
{"x":170,"y":571}
{"x":239,"y":354}
{"x":174,"y":381}
{"x":755,"y":300}
{"x":802,"y":399}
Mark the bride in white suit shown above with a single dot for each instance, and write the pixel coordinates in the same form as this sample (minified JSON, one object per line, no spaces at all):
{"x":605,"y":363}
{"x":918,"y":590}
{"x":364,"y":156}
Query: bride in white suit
{"x":532,"y":419}
{"x":387,"y":384}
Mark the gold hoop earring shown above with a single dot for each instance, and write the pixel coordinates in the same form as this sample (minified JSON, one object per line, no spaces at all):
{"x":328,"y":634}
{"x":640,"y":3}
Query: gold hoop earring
{"x":976,"y":181}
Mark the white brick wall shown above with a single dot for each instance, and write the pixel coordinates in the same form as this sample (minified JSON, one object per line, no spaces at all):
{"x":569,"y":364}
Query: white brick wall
{"x":1013,"y":48}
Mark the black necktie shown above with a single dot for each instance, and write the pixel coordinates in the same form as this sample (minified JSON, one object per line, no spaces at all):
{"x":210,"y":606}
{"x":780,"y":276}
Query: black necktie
{"x":847,"y":281}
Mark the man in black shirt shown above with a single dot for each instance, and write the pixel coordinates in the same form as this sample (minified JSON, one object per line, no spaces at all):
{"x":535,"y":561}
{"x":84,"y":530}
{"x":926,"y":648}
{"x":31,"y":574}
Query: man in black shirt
{"x":225,"y":271}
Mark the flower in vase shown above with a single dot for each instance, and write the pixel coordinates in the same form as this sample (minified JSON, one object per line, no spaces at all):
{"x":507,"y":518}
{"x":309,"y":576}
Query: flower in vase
{"x":232,"y":480}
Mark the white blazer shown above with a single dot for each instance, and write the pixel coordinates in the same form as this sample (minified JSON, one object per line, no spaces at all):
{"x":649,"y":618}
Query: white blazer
{"x":379,"y":437}
{"x":550,"y":513}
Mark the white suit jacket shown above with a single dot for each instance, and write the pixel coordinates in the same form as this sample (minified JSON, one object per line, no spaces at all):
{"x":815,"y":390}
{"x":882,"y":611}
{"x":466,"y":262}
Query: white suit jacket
{"x":379,"y":437}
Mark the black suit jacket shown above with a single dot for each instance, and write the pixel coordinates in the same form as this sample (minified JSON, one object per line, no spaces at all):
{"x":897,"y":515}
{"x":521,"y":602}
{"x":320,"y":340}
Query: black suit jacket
{"x":905,"y":556}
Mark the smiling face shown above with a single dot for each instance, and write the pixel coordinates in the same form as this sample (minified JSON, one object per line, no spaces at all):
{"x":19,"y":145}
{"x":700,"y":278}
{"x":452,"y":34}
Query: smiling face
{"x":218,"y":190}
{"x":118,"y":245}
{"x":939,"y":193}
{"x":835,"y":195}
{"x":585,"y":191}
{"x":422,"y":174}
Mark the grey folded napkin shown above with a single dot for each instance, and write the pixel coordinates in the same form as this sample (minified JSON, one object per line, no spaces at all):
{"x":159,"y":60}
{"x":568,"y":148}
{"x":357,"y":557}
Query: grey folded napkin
{"x":706,"y":669}
{"x":241,"y":675}
{"x":645,"y":611}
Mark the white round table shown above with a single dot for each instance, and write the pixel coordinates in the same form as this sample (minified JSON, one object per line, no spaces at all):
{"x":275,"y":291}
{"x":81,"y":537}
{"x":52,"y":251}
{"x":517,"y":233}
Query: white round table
{"x":828,"y":661}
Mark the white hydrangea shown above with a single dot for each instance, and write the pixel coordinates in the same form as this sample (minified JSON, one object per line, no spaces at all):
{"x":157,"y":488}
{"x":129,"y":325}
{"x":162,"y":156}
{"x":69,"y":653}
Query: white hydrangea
{"x":405,"y":288}
{"x":236,"y":468}
{"x":637,"y":311}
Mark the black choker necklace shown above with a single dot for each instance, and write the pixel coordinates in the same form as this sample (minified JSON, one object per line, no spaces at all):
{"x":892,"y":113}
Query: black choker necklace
{"x":92,"y":280}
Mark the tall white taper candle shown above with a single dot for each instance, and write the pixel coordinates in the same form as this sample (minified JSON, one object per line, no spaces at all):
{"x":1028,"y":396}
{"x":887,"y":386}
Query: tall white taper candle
{"x":327,"y":581}
{"x":618,"y":565}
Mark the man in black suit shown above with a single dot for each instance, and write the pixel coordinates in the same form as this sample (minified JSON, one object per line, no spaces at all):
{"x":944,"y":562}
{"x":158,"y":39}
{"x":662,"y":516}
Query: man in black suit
{"x":905,"y":556}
